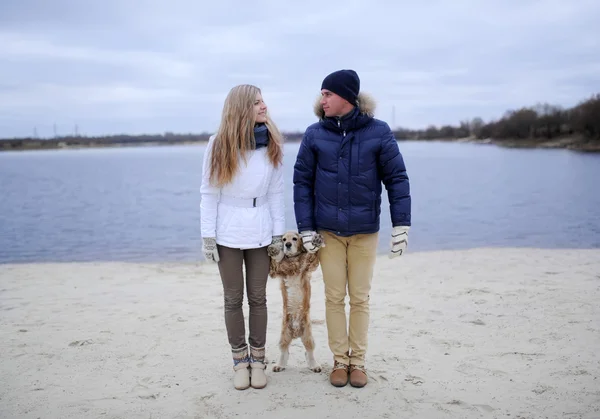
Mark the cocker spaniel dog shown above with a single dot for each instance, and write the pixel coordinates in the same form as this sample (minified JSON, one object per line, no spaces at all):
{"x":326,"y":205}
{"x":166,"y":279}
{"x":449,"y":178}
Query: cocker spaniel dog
{"x":294,"y":266}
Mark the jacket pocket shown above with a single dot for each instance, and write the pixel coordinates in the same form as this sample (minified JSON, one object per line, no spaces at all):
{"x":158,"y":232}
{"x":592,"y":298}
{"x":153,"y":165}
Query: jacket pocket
{"x":373,"y":202}
{"x":354,"y":156}
{"x":374,"y":205}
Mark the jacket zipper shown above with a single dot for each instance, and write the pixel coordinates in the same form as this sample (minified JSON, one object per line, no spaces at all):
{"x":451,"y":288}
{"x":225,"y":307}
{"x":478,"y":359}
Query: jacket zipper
{"x":344,"y":136}
{"x":339,"y":126}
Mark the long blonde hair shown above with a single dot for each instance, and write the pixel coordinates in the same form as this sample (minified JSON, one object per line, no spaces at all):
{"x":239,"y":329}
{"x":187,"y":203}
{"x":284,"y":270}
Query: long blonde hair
{"x":235,"y":136}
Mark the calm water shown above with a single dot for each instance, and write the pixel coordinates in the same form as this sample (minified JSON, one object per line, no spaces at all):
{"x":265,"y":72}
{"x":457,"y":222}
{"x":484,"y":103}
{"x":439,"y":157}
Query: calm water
{"x":142,"y":204}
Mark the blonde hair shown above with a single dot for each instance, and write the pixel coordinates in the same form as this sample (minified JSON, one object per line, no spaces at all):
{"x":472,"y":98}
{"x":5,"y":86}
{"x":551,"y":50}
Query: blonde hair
{"x":235,"y":136}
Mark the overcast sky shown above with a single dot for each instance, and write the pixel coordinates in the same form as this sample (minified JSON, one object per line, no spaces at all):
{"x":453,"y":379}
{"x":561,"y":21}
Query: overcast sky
{"x":149,"y":66}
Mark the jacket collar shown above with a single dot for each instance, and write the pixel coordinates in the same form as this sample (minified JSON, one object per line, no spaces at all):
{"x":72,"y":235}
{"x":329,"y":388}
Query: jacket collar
{"x":357,"y":118}
{"x":350,"y":122}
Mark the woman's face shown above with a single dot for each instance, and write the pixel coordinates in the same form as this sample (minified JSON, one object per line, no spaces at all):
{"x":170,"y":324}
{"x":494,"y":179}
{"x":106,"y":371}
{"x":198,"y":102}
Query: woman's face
{"x":260,"y":109}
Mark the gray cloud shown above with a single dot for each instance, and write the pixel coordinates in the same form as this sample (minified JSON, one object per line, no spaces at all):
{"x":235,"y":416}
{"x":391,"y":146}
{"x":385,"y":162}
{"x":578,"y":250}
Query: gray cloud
{"x":151,"y":66}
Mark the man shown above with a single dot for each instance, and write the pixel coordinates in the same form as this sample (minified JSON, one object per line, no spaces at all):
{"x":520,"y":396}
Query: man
{"x":341,"y":164}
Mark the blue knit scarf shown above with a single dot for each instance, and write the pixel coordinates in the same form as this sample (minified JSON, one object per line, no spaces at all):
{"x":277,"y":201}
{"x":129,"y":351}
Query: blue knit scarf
{"x":261,"y":135}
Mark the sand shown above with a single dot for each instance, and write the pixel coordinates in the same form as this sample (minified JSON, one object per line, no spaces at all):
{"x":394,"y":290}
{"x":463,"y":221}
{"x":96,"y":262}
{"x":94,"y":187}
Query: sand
{"x":482,"y":333}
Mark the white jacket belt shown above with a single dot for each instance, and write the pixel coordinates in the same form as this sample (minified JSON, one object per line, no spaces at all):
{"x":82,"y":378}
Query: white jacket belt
{"x":243,"y":227}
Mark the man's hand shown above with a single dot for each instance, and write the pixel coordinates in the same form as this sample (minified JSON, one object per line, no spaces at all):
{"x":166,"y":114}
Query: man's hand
{"x":312,"y":241}
{"x":275,"y":249}
{"x":209,"y":248}
{"x":399,"y":241}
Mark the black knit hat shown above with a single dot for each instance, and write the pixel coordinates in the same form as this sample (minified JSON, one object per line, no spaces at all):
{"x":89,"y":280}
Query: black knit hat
{"x":344,"y":83}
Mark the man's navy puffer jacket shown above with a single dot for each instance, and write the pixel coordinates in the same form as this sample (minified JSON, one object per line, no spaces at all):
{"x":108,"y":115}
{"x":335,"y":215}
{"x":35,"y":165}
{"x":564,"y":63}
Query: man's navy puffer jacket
{"x":339,"y":171}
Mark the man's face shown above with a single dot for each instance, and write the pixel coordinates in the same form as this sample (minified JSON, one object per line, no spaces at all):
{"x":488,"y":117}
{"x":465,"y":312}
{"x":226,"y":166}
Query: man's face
{"x":334,"y":105}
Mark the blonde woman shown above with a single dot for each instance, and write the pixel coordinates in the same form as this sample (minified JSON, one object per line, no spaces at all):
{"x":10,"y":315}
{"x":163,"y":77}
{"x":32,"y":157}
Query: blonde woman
{"x":242,"y":213}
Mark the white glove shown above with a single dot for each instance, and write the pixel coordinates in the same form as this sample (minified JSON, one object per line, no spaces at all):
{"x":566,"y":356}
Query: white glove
{"x":209,"y":247}
{"x":399,"y":241}
{"x":275,"y":249}
{"x":312,"y":241}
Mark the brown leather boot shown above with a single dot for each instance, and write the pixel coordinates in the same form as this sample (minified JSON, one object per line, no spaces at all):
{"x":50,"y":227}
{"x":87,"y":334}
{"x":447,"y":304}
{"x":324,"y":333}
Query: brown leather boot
{"x":339,"y":374}
{"x":358,"y":376}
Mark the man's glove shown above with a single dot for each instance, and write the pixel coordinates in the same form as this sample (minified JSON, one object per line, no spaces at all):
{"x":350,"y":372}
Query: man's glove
{"x":312,"y":241}
{"x":399,"y":241}
{"x":209,"y":247}
{"x":275,"y":249}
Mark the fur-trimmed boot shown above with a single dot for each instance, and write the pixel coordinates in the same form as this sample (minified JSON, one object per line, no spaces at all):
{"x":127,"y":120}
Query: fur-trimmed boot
{"x":258,"y":366}
{"x":241,"y":364}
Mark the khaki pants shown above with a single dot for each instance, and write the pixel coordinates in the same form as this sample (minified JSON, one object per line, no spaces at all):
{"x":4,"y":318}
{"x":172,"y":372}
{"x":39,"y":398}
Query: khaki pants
{"x":348,"y":262}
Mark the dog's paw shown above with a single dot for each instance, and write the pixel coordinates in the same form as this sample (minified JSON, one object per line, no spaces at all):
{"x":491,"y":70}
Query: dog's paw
{"x":278,"y":368}
{"x":318,"y":241}
{"x":274,"y":250}
{"x":312,"y":363}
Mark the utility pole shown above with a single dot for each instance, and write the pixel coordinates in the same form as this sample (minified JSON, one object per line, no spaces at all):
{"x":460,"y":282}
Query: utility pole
{"x":54,"y":130}
{"x":76,"y":131}
{"x":35,"y":134}
{"x":394,"y":117}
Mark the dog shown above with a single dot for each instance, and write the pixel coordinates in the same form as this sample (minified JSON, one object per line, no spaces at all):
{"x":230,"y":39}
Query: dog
{"x":294,"y":266}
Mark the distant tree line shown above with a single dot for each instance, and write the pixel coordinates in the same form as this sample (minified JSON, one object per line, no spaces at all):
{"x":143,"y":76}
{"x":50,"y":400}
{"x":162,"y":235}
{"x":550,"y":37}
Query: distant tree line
{"x":540,"y":122}
{"x":167,"y":138}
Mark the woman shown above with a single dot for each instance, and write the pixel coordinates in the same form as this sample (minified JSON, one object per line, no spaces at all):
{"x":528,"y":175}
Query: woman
{"x":242,"y":213}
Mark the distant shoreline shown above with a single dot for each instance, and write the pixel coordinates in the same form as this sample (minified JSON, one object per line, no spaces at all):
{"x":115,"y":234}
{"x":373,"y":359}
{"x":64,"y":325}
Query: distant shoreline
{"x":571,"y":142}
{"x":38,"y":147}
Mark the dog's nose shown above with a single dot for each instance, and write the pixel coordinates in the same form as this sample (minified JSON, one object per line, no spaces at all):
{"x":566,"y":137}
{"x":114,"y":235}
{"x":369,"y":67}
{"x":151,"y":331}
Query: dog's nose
{"x":288,"y":245}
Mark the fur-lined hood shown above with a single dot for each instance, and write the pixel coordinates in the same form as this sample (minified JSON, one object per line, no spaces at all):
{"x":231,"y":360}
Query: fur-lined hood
{"x":366,"y":105}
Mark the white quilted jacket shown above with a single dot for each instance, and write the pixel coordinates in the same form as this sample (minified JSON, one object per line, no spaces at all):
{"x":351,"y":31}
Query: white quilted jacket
{"x":238,"y":224}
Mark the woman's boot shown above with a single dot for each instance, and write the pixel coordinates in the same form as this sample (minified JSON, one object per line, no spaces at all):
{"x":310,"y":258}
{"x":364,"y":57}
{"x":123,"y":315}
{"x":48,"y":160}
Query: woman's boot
{"x":257,"y":367}
{"x":241,"y":363}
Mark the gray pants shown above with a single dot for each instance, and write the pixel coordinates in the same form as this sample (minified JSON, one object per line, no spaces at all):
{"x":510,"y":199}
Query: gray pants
{"x":257,"y":270}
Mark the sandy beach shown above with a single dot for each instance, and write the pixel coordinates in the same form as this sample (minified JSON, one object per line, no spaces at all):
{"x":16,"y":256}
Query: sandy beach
{"x":482,"y":333}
